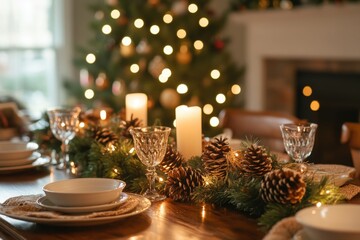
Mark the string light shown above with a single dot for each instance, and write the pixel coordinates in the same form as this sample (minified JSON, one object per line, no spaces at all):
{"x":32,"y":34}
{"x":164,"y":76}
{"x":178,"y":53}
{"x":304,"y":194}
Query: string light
{"x":214,"y":121}
{"x":166,"y":72}
{"x":192,"y":8}
{"x":203,"y":22}
{"x":182,"y":88}
{"x":139,"y":23}
{"x":220,"y":98}
{"x":89,"y":94}
{"x":106,"y":29}
{"x":168,"y":50}
{"x":154,"y":29}
{"x":90,"y":58}
{"x":134,"y":68}
{"x":215,"y":74}
{"x":198,"y":45}
{"x":236,"y":89}
{"x":208,"y":109}
{"x":126,"y":41}
{"x":163,"y":78}
{"x":315,"y":105}
{"x":181,"y":33}
{"x":115,"y":14}
{"x":167,"y":18}
{"x":307,"y":91}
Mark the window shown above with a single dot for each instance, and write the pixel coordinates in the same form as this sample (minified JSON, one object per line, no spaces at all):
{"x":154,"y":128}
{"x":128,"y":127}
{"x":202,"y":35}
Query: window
{"x":28,"y":52}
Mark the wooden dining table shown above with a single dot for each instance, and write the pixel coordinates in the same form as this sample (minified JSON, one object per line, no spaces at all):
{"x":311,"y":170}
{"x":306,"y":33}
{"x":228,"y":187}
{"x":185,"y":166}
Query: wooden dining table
{"x":163,"y":220}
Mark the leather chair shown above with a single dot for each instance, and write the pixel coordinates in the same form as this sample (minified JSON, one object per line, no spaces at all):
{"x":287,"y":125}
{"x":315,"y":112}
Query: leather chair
{"x":261,"y":125}
{"x":350,"y":134}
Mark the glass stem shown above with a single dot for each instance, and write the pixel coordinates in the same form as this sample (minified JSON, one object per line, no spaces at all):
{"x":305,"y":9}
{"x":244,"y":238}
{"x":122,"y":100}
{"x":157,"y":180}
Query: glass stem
{"x":151,"y":175}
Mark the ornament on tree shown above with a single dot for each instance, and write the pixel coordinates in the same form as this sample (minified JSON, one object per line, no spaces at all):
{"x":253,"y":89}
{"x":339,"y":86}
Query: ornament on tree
{"x":102,"y":81}
{"x":255,"y":160}
{"x":156,"y":65}
{"x":105,"y":136}
{"x":127,"y":124}
{"x":184,"y":55}
{"x":118,"y":87}
{"x":179,"y":7}
{"x":143,"y":47}
{"x":181,"y":182}
{"x":173,"y":159}
{"x":127,"y":50}
{"x":283,"y":186}
{"x":169,"y":98}
{"x":219,"y":44}
{"x":122,"y":20}
{"x":215,"y":158}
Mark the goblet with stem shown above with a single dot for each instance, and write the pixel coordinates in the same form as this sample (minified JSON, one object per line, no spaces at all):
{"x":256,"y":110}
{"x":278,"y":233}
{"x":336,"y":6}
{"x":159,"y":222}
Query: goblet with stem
{"x":64,"y":124}
{"x":150,"y":145}
{"x":299,"y":141}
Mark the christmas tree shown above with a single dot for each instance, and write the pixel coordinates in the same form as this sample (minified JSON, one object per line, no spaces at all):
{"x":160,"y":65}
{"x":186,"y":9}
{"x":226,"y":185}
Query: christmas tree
{"x":173,"y":51}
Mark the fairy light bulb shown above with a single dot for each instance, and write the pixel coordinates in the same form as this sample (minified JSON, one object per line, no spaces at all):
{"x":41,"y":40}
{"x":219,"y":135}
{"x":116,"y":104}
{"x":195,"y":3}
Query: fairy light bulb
{"x":168,"y":50}
{"x":163,"y":78}
{"x":192,"y":8}
{"x":220,"y":98}
{"x":181,"y":33}
{"x":89,"y":94}
{"x":106,"y":29}
{"x":203,"y":22}
{"x":214,"y":121}
{"x":167,"y":18}
{"x":154,"y":29}
{"x":126,"y":41}
{"x":215,"y":74}
{"x":236,"y":89}
{"x":115,"y":14}
{"x":182,"y":88}
{"x":90,"y":58}
{"x":198,"y":45}
{"x":208,"y":109}
{"x":166,"y":72}
{"x":134,"y":68}
{"x":139,"y":23}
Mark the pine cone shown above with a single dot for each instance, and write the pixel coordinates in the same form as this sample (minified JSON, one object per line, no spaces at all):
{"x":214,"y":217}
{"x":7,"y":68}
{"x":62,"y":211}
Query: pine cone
{"x":181,"y":182}
{"x":283,"y":186}
{"x":255,"y":161}
{"x":105,"y":136}
{"x":172,"y":159}
{"x":215,"y":157}
{"x":126,"y":125}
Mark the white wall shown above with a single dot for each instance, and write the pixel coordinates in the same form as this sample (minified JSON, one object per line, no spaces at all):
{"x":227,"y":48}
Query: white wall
{"x":327,"y":32}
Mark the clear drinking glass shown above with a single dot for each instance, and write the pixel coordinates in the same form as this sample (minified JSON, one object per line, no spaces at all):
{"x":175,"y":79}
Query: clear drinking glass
{"x":150,"y":146}
{"x":64,"y":124}
{"x":299,"y":141}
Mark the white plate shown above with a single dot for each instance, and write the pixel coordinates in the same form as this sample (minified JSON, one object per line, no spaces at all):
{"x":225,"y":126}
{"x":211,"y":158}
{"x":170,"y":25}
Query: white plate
{"x":39,"y":162}
{"x":47,"y":204}
{"x":143,"y":205}
{"x":18,"y":162}
{"x":16,"y":150}
{"x":337,"y":174}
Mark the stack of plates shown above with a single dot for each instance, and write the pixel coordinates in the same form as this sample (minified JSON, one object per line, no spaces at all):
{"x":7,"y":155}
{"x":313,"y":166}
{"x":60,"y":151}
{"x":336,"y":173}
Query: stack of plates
{"x":15,"y":156}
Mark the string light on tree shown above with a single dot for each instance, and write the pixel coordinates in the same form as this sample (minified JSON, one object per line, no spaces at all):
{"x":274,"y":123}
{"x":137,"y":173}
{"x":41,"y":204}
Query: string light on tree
{"x":134,"y":68}
{"x":106,"y":29}
{"x":168,"y":50}
{"x":115,"y":14}
{"x":167,"y":18}
{"x":182,"y":88}
{"x":203,"y":22}
{"x":198,"y":45}
{"x":139,"y":23}
{"x":193,"y":8}
{"x":215,"y":74}
{"x":220,"y":98}
{"x":90,"y":58}
{"x":214,"y":121}
{"x":181,"y":33}
{"x":208,"y":109}
{"x":89,"y":94}
{"x":236,"y":89}
{"x":154,"y":29}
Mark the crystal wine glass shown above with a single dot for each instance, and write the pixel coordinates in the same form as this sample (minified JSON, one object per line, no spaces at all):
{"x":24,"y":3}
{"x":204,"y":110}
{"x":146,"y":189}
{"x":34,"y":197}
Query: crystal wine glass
{"x":150,"y":146}
{"x":299,"y":141}
{"x":64,"y":124}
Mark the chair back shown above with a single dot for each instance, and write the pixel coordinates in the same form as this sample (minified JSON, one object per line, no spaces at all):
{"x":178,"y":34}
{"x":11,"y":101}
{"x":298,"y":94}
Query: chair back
{"x":350,"y":134}
{"x":261,"y":125}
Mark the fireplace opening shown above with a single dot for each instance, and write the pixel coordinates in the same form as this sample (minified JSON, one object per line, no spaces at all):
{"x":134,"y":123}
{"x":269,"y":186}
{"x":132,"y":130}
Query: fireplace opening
{"x":328,"y":99}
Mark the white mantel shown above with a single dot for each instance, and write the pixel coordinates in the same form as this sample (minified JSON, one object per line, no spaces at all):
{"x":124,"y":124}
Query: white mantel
{"x":326,"y":32}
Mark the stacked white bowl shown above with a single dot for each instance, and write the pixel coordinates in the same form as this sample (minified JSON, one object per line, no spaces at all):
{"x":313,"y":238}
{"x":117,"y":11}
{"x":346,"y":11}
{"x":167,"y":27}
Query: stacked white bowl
{"x":17,"y":153}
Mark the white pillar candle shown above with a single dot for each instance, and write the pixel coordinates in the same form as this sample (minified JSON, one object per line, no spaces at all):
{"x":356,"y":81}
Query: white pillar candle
{"x":136,"y":105}
{"x":188,"y":131}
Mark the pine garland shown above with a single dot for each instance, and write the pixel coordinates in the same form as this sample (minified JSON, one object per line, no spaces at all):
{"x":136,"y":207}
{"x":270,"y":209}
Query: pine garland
{"x":237,"y":191}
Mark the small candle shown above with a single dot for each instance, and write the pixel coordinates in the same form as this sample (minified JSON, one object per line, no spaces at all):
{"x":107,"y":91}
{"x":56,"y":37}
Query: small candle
{"x":188,"y":131}
{"x":136,"y":105}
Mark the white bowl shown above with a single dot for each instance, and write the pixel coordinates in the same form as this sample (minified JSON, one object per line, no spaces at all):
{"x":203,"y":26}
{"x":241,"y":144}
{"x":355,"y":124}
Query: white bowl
{"x":16,"y":150}
{"x":80,"y":192}
{"x":331,"y":222}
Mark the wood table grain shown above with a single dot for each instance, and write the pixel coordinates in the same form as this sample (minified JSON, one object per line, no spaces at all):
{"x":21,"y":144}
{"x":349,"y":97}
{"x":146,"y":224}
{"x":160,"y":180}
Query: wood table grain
{"x":163,"y":220}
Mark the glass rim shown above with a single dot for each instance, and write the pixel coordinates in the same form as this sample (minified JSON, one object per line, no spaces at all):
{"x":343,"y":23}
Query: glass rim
{"x":147,"y":128}
{"x":296,"y":125}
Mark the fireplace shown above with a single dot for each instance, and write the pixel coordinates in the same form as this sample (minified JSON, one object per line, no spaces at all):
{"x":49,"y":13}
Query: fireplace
{"x":334,"y":84}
